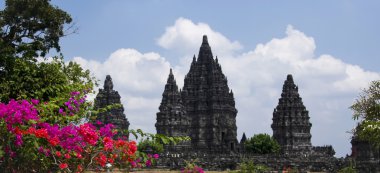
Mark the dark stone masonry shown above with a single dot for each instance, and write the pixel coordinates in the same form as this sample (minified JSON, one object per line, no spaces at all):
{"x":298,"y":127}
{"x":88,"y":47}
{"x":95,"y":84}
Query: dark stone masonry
{"x":291,"y":125}
{"x":204,"y":109}
{"x":366,"y":157}
{"x":115,"y":116}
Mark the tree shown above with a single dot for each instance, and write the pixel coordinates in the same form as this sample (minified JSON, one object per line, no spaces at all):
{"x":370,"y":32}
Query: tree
{"x":30,"y":29}
{"x":367,"y":110}
{"x":150,"y":146}
{"x":43,"y":129}
{"x":44,"y":80}
{"x":248,"y":166}
{"x":262,"y":144}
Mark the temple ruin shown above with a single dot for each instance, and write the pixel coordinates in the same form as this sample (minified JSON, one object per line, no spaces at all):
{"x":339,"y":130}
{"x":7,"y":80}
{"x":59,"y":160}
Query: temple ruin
{"x":204,"y":109}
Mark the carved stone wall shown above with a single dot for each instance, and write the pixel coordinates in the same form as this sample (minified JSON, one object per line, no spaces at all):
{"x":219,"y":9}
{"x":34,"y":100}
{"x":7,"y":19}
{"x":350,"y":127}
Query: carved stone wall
{"x":291,"y":125}
{"x":204,"y":110}
{"x":108,"y":96}
{"x":276,"y":162}
{"x":172,"y":119}
{"x":366,"y":156}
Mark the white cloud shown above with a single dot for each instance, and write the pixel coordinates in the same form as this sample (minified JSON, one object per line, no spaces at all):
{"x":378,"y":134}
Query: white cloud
{"x":327,"y":85}
{"x":139,"y":78}
{"x":184,"y":37}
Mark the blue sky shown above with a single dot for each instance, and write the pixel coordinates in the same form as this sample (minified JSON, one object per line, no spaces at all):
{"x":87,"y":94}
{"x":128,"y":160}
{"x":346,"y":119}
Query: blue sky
{"x":330,"y":47}
{"x":345,"y":29}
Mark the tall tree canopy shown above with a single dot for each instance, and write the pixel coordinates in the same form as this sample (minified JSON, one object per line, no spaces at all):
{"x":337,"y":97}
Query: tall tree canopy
{"x":367,"y":111}
{"x":29,"y":29}
{"x":262,"y":144}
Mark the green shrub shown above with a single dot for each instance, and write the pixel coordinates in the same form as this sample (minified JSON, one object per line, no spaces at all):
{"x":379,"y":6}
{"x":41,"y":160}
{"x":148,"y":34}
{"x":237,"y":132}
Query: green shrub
{"x":262,"y":144}
{"x":250,"y":167}
{"x":151,"y":146}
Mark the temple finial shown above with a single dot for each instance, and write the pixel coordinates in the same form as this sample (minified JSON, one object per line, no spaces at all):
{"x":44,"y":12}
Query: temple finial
{"x":243,"y":138}
{"x":171,"y":77}
{"x":289,"y":77}
{"x":108,"y":85}
{"x":205,"y":54}
{"x":205,"y":41}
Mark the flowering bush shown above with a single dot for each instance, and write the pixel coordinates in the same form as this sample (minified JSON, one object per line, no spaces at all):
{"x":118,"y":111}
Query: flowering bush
{"x":45,"y":137}
{"x":191,"y":167}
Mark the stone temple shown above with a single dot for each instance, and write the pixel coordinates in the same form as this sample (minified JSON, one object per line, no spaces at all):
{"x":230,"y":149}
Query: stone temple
{"x":107,"y":96}
{"x":291,"y":125}
{"x":204,"y":109}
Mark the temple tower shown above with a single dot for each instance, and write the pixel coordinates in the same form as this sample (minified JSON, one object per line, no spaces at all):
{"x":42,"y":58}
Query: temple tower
{"x":242,"y":141}
{"x":210,"y":104}
{"x":172,"y":119}
{"x":291,"y":125}
{"x":115,"y":116}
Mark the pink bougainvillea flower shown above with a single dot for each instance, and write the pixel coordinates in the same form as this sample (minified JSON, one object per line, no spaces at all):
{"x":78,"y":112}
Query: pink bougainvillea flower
{"x":67,"y":156}
{"x":80,"y":168}
{"x":41,"y":133}
{"x":58,"y":153}
{"x":156,"y":156}
{"x":133,"y":164}
{"x":35,"y":102}
{"x":108,"y":144}
{"x":18,"y":141}
{"x":89,"y":134}
{"x":54,"y":141}
{"x":148,"y":163}
{"x":74,"y":93}
{"x":63,"y":165}
{"x":102,"y":159}
{"x":106,"y":130}
{"x":78,"y":155}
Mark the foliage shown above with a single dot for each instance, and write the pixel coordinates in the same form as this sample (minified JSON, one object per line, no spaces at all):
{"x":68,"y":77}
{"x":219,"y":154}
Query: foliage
{"x":262,"y":144}
{"x":1,"y":152}
{"x":348,"y":169}
{"x":42,"y":122}
{"x":31,"y":144}
{"x":43,"y":80}
{"x":367,"y":111}
{"x":191,"y":167}
{"x":147,"y":145}
{"x":250,"y":167}
{"x":31,"y":28}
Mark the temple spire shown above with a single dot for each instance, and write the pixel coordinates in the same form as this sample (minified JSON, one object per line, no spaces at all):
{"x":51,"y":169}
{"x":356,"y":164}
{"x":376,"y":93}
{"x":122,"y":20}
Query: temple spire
{"x":171,"y":119}
{"x":210,"y":104}
{"x":205,"y":54}
{"x":243,"y":138}
{"x":205,"y":41}
{"x":108,"y":84}
{"x":115,"y":115}
{"x":291,"y":122}
{"x":171,"y":77}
